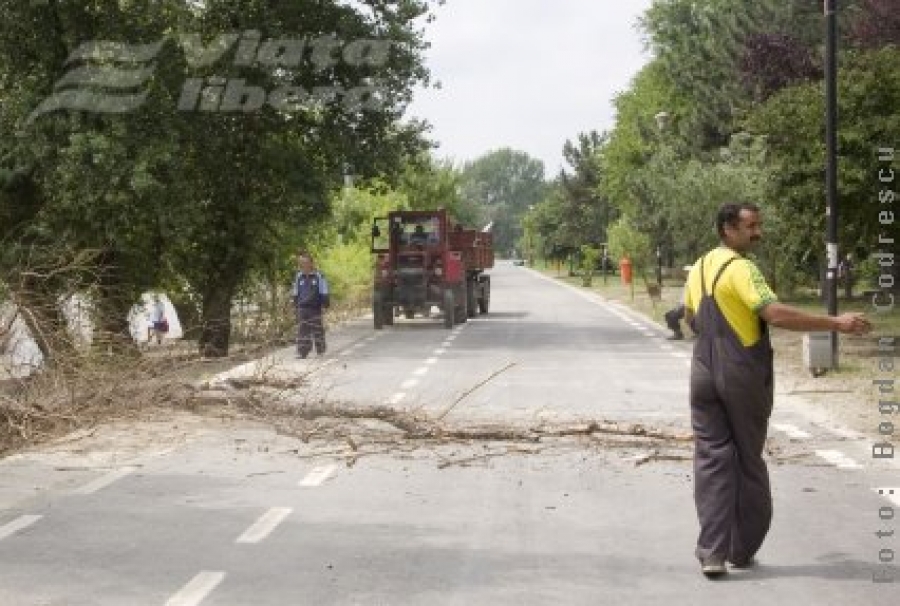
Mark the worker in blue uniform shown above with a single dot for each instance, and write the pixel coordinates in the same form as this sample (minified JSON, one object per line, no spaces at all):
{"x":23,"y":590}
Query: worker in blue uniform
{"x":310,"y":296}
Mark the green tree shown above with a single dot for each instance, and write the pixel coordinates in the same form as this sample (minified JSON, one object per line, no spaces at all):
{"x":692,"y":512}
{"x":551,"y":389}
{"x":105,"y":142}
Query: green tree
{"x":203,"y":199}
{"x":505,"y":183}
{"x":791,"y":122}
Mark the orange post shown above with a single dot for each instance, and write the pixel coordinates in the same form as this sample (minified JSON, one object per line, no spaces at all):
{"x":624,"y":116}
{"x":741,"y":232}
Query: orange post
{"x":625,"y":270}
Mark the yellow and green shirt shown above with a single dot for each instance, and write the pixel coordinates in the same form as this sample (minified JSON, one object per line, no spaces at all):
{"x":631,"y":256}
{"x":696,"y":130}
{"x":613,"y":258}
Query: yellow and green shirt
{"x":741,"y":293}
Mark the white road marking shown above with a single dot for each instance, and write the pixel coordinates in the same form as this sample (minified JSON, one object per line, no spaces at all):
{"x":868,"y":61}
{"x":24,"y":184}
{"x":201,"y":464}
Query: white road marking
{"x":440,"y":352}
{"x":421,"y":371}
{"x":687,"y":363}
{"x":791,"y":431}
{"x":397,"y":398}
{"x":349,"y":352}
{"x":682,"y":355}
{"x":104,"y":481}
{"x":318,"y":475}
{"x":431,"y":361}
{"x":892,"y":494}
{"x":197,"y":589}
{"x":409,"y":383}
{"x":20,"y":523}
{"x":838,"y":459}
{"x":264,"y":526}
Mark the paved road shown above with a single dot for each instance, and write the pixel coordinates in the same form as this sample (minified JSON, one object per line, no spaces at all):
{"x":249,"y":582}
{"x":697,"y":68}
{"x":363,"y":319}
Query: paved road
{"x":237,"y":514}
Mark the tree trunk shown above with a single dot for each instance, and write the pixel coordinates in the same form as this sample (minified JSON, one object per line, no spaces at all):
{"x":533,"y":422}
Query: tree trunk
{"x":215,"y":328}
{"x":112,"y":331}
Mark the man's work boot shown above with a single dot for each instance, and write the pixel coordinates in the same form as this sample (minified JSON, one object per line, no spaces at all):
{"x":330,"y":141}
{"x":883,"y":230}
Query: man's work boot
{"x":713,"y":566}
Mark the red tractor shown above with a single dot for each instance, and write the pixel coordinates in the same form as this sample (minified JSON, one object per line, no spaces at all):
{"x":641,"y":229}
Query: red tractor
{"x":425,"y":260}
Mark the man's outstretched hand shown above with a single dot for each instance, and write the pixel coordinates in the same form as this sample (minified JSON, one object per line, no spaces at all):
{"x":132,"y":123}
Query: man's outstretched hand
{"x":853,"y":323}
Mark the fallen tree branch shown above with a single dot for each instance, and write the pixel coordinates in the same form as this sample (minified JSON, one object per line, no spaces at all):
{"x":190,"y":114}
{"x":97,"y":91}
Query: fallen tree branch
{"x":468,"y":392}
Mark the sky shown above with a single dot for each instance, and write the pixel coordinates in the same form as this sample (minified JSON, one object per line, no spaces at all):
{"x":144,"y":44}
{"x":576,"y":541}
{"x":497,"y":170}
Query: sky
{"x":527,"y":74}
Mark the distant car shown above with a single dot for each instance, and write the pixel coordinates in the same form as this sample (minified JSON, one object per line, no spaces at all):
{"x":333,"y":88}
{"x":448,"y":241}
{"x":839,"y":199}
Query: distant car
{"x":518,"y":262}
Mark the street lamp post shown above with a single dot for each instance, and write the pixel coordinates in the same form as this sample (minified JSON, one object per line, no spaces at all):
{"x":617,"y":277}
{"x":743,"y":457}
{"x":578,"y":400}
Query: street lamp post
{"x":831,"y":166}
{"x":662,"y":122}
{"x":659,"y":265}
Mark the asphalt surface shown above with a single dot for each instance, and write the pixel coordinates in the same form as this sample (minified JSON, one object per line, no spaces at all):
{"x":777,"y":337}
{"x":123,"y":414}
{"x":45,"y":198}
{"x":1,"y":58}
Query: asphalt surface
{"x":235,"y":513}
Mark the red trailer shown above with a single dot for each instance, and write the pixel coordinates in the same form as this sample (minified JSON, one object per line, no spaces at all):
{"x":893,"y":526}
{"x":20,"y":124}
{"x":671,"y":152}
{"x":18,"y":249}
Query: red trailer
{"x":424,"y":259}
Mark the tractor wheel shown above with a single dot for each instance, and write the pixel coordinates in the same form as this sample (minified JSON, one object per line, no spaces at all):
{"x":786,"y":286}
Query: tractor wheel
{"x":378,"y":309}
{"x":460,"y":312}
{"x":449,"y":308}
{"x":471,"y":300}
{"x":409,"y":313}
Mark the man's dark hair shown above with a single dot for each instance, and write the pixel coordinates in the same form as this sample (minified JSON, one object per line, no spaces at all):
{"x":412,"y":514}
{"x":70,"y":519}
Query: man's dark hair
{"x":730,"y":214}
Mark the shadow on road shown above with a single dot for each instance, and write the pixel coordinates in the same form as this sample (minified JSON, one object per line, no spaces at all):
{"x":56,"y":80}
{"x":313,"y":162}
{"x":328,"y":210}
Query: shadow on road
{"x":836,"y":570}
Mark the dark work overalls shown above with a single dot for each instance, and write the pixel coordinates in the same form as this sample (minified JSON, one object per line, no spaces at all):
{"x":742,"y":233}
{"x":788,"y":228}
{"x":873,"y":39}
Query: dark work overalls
{"x":310,"y":330}
{"x":731,"y":395}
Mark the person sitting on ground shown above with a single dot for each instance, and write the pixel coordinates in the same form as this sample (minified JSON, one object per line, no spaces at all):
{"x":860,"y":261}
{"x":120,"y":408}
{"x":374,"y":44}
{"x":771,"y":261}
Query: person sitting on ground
{"x":675,"y":315}
{"x":673,"y":320}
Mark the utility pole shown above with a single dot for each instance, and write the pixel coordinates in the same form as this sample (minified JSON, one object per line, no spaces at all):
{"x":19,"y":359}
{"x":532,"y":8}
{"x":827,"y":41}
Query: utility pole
{"x":831,"y":189}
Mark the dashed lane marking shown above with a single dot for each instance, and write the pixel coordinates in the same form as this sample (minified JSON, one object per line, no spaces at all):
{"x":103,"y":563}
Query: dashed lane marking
{"x":440,"y":352}
{"x":104,"y":481}
{"x":20,"y":523}
{"x":409,"y":384}
{"x":318,"y":475}
{"x":264,"y":526}
{"x":197,"y":589}
{"x":419,"y":372}
{"x":889,"y":493}
{"x":431,"y":361}
{"x":838,"y":459}
{"x":397,"y":398}
{"x":791,"y":431}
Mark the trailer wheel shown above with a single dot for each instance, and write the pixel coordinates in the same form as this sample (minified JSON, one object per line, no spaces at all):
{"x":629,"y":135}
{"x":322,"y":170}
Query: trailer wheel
{"x":388,"y":314}
{"x":471,"y":300}
{"x":409,"y":313}
{"x":449,"y":308}
{"x":484,"y":303}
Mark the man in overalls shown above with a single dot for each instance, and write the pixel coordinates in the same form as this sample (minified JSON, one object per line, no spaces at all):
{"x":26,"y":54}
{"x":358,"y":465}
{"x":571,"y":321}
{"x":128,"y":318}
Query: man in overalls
{"x":310,"y":295}
{"x":729,"y":305}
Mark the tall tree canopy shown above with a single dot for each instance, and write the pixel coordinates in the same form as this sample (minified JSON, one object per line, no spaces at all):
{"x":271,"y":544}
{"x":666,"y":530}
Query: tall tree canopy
{"x":186,"y":140}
